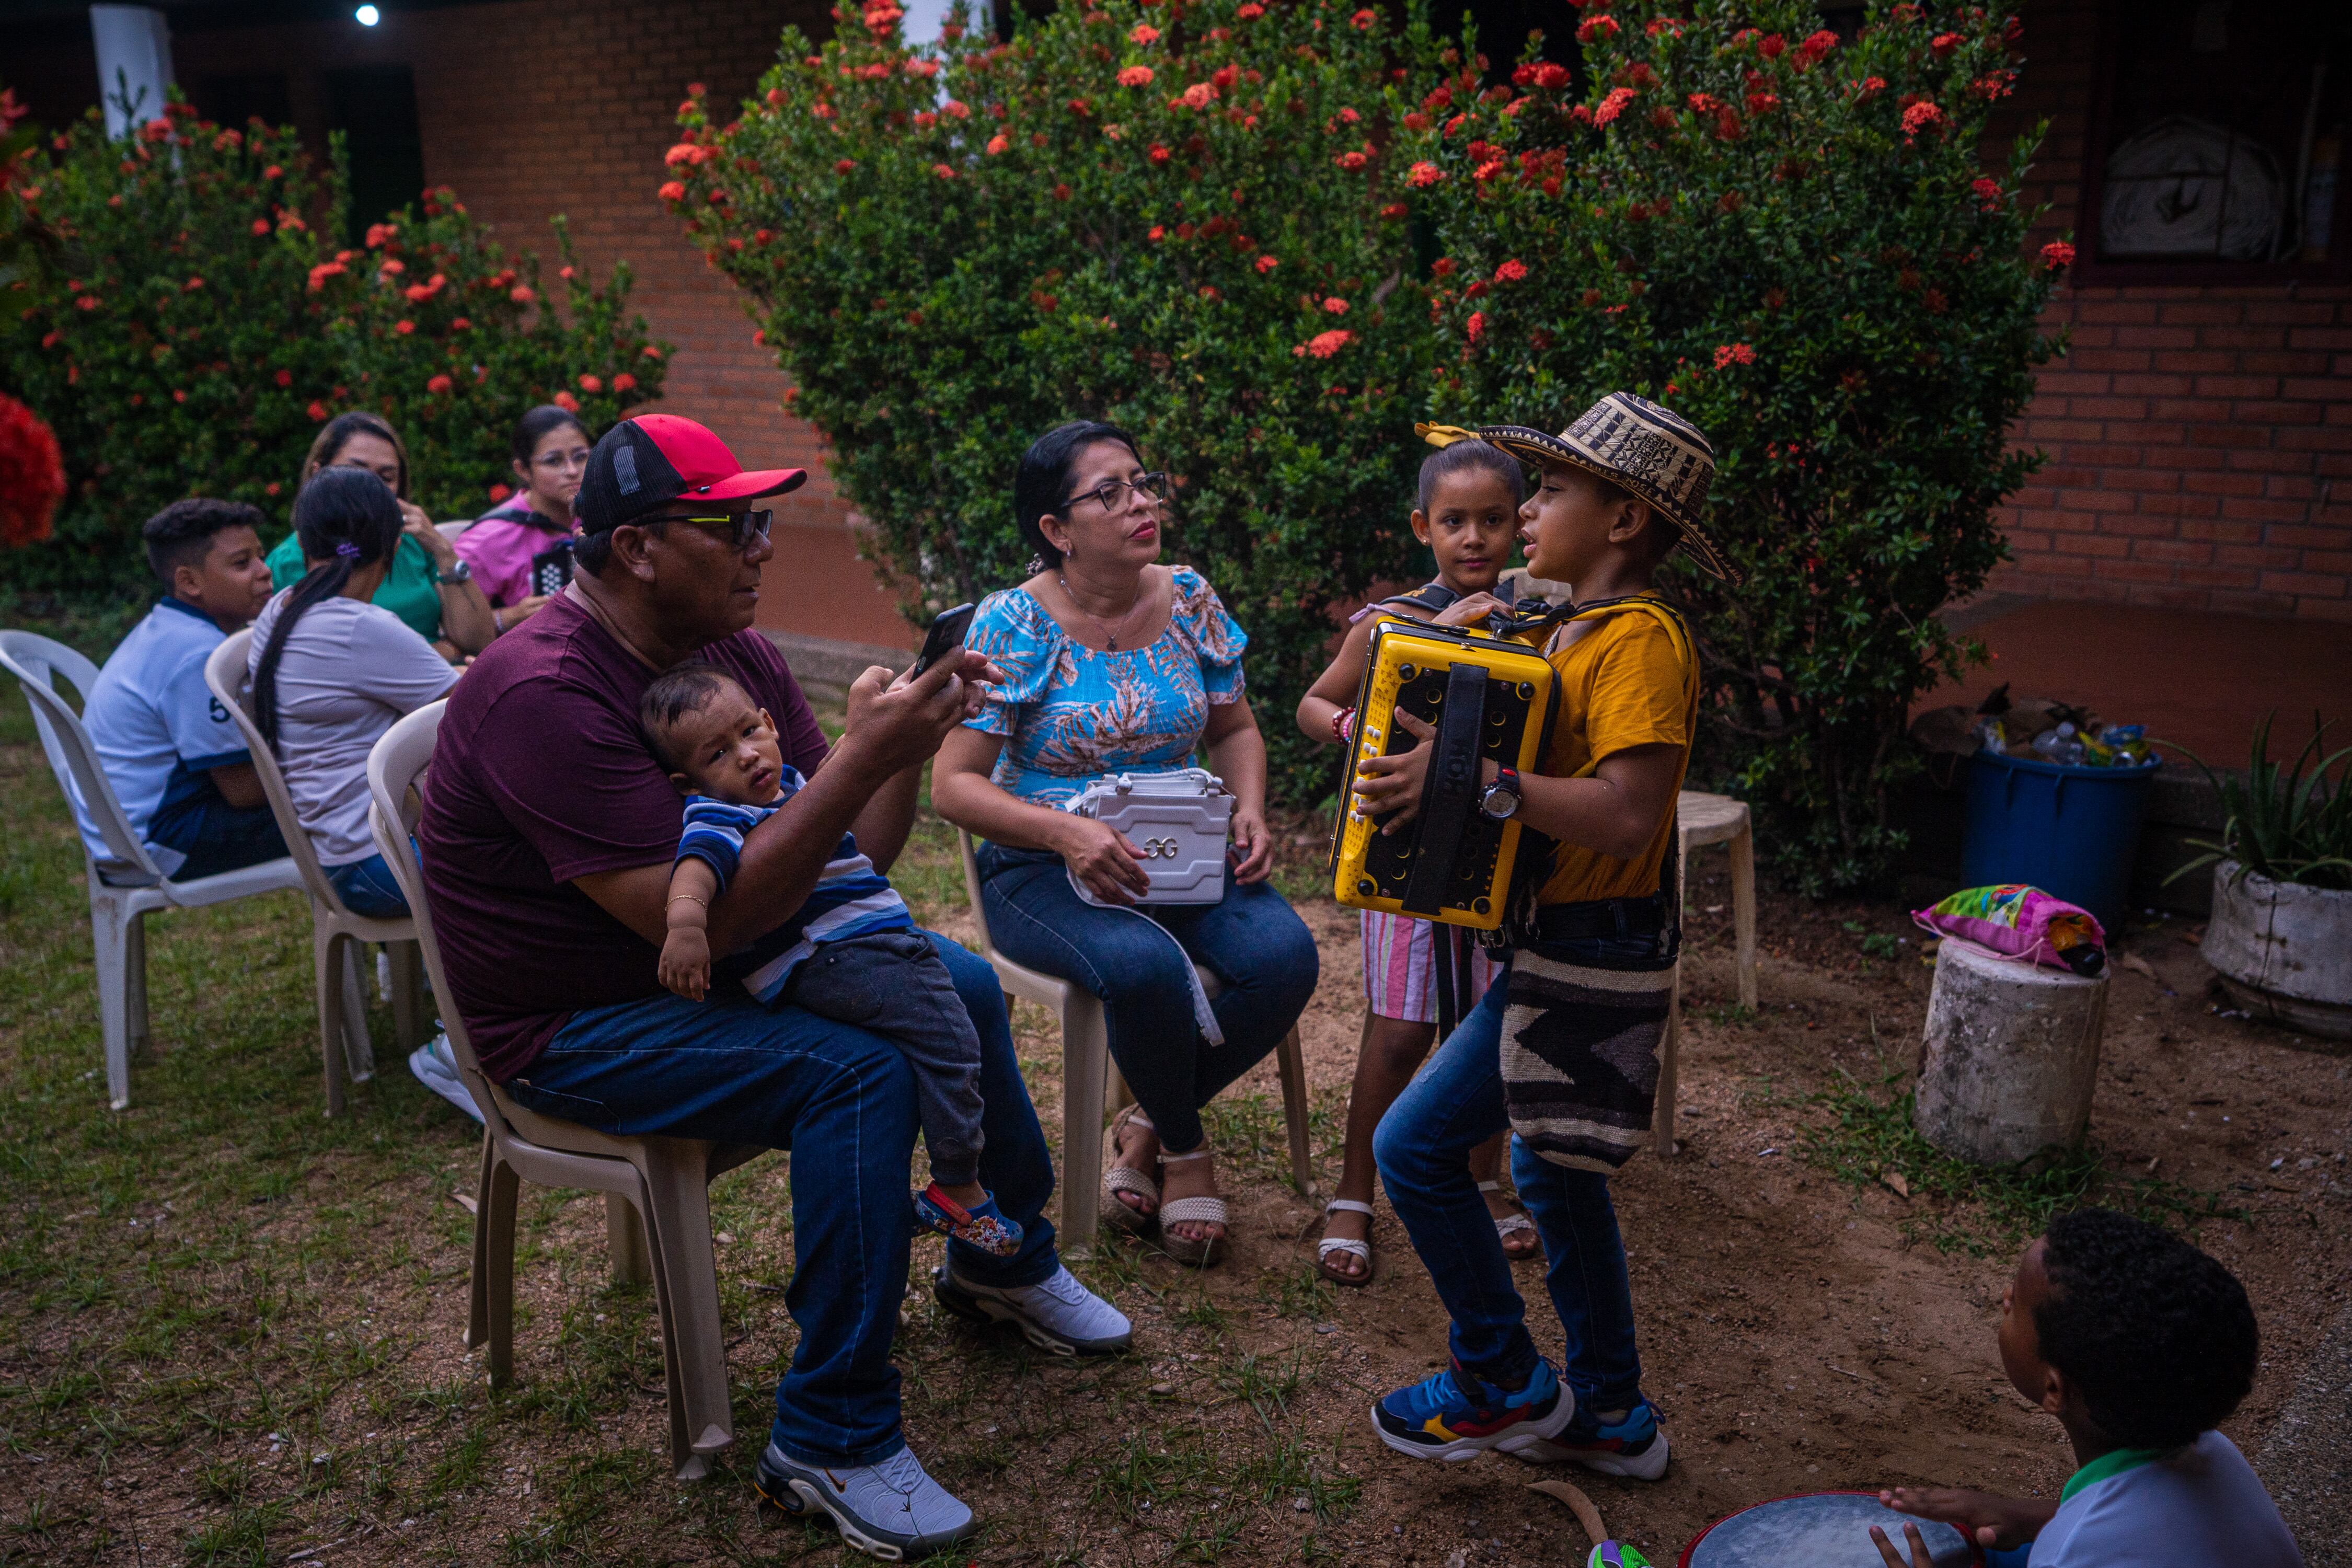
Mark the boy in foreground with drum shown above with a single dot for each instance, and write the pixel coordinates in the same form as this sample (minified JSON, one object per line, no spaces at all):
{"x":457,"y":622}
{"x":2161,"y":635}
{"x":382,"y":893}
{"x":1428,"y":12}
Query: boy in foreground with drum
{"x":850,"y":953}
{"x":1564,"y":1048}
{"x":2141,"y":1346}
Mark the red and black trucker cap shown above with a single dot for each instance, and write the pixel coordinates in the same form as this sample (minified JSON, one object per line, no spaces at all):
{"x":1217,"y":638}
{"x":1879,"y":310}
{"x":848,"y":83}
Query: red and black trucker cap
{"x":653,"y":459}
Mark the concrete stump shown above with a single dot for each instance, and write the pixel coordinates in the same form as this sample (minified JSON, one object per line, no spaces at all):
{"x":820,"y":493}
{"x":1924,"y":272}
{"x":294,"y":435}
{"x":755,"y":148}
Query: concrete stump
{"x":2012,"y":1054}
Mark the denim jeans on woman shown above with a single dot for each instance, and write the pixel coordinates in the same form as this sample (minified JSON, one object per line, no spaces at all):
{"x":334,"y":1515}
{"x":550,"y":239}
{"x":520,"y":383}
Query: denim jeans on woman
{"x":368,"y":887}
{"x":842,"y":1101}
{"x":1423,"y":1147}
{"x":1253,"y":943}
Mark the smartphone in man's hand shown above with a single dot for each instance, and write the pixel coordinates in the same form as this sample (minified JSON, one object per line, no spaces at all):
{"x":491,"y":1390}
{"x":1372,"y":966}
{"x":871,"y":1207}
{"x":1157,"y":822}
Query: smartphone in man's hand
{"x":945,"y":637}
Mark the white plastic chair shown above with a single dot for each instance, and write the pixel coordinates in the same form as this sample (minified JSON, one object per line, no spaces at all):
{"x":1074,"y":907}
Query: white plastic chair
{"x":127,"y":886}
{"x":1709,"y":819}
{"x":656,"y":1184}
{"x":1092,"y":1087}
{"x":336,"y":932}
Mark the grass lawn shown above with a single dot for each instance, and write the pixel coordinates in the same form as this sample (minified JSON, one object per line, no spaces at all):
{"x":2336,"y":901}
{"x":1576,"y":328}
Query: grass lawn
{"x":230,"y":1329}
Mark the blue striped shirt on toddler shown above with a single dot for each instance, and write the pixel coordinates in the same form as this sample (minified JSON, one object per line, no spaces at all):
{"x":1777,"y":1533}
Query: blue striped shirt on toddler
{"x":851,"y":899}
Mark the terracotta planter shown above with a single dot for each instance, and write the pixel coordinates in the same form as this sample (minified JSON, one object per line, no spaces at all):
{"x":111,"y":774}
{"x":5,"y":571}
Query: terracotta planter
{"x":2284,"y":951}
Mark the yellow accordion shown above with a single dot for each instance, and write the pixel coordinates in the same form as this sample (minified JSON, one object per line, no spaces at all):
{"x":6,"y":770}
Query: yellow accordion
{"x":1486,"y":697}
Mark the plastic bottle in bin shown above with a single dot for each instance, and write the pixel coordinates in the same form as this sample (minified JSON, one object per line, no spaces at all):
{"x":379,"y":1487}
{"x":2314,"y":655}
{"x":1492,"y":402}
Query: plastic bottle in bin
{"x":2061,"y":746}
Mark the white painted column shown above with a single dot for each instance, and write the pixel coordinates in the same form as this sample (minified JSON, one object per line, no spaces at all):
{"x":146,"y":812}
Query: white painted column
{"x":134,"y":60}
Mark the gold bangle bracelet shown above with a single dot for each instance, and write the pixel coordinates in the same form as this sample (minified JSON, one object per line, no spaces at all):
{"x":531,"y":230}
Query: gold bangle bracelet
{"x":674,"y":898}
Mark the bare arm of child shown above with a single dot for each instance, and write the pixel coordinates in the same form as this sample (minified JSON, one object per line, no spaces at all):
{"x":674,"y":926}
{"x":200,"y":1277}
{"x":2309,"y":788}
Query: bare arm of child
{"x":1987,"y":1518}
{"x":1334,"y":689}
{"x":685,"y":949}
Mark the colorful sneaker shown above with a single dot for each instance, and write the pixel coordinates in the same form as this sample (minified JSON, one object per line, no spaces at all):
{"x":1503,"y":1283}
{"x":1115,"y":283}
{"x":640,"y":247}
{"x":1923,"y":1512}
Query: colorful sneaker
{"x":1457,"y":1413}
{"x":1635,"y":1447}
{"x":1616,"y":1554}
{"x":984,"y":1228}
{"x":892,"y":1510}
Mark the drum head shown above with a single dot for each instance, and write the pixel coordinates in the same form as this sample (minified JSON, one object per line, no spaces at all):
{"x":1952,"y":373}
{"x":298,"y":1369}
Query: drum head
{"x":1819,"y":1529}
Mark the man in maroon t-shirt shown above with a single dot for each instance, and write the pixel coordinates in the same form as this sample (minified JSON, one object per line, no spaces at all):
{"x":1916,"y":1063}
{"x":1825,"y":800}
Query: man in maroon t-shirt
{"x":547,"y":837}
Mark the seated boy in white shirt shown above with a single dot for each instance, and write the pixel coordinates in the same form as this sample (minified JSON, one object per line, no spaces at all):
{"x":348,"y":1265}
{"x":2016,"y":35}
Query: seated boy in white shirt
{"x":175,"y":758}
{"x":2140,"y":1345}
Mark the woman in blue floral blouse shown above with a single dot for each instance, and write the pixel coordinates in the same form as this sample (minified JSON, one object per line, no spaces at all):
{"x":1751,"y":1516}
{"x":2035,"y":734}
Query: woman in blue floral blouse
{"x":1116,"y":664}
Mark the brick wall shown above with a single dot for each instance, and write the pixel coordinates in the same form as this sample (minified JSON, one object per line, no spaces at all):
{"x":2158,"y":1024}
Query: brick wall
{"x":2199,"y":438}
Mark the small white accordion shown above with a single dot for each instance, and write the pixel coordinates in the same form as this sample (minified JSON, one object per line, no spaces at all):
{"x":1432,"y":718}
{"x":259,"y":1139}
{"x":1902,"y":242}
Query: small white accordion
{"x":1180,"y":819}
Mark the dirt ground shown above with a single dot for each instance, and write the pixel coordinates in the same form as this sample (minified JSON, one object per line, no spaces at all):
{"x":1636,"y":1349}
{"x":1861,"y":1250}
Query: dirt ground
{"x":1798,"y":1333}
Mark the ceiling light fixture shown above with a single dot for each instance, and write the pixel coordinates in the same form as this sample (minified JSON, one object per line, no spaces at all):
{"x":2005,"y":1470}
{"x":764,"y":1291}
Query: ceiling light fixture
{"x":367,"y":15}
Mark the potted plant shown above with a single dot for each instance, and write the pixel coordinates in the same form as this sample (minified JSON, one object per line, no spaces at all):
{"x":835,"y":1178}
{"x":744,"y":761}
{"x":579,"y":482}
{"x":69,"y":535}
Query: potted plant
{"x":2281,"y":933}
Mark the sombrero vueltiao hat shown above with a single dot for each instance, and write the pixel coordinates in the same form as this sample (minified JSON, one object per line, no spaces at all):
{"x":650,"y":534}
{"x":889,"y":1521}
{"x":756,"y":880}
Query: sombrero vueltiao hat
{"x":1652,"y":452}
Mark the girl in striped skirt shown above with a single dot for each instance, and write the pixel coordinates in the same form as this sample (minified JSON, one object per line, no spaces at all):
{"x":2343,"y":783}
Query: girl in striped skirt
{"x":1468,"y":516}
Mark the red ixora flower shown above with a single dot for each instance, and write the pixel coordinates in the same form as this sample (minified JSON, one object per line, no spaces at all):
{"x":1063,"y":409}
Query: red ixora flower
{"x":943,"y":172}
{"x":1251,"y":11}
{"x":1988,"y":193}
{"x":404,"y":328}
{"x":1615,"y":104}
{"x":1920,"y":117}
{"x":1475,"y":327}
{"x":1365,"y":20}
{"x":845,"y":166}
{"x":285,"y":378}
{"x":1423,"y":174}
{"x":317,"y":411}
{"x":32,"y":474}
{"x":671,"y":190}
{"x":1323,"y":345}
{"x":1734,"y":353}
{"x":624,"y":382}
{"x":2057,"y":256}
{"x":1943,"y":44}
{"x":1135,"y":76}
{"x":1351,"y":162}
{"x":522,"y":294}
{"x":1336,"y":306}
{"x":1394,"y":210}
{"x":997,"y":145}
{"x":1510,"y":272}
{"x":1266,"y":264}
{"x":500,"y":493}
{"x":1199,"y":95}
{"x":591,"y":383}
{"x":439,"y":384}
{"x":1143,"y":32}
{"x":1596,"y":28}
{"x":565,"y":401}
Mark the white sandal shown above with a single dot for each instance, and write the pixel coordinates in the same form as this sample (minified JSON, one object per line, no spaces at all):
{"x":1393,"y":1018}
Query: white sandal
{"x":1511,"y":1223}
{"x":1360,"y":1250}
{"x":1120,"y":1178}
{"x":1200,"y":1211}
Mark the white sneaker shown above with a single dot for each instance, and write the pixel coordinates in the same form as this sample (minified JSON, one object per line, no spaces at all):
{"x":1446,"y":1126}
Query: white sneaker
{"x":892,"y":1510}
{"x":437,"y":1069}
{"x":1060,"y":1315}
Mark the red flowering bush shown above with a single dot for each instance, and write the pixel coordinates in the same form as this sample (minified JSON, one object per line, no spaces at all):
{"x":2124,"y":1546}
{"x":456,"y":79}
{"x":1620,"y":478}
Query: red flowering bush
{"x":32,"y":475}
{"x":1168,"y":215}
{"x":193,"y":322}
{"x":1788,"y":239}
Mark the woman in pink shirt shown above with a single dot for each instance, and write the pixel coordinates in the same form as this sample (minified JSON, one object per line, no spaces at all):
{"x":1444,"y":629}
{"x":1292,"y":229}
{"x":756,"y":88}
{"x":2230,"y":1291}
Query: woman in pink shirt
{"x":550,"y":455}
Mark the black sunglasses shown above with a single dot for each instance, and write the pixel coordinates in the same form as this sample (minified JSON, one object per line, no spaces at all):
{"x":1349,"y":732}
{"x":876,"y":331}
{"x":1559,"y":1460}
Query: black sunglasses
{"x":740,"y":528}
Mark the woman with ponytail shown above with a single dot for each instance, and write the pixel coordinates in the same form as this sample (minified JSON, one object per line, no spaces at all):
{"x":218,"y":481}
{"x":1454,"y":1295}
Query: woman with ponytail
{"x":332,"y":671}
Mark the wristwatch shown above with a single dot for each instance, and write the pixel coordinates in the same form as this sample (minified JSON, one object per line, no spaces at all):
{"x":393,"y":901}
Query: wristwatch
{"x":461,"y":573}
{"x":1498,"y":801}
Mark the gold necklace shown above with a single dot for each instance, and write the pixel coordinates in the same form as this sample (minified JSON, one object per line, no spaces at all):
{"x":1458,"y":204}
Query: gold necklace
{"x":1110,"y":632}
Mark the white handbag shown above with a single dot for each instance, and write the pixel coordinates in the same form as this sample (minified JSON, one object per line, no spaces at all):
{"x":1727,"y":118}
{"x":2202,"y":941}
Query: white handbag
{"x":1180,"y":819}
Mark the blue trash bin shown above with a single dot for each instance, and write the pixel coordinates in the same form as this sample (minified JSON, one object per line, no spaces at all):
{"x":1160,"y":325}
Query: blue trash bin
{"x":2070,"y":832}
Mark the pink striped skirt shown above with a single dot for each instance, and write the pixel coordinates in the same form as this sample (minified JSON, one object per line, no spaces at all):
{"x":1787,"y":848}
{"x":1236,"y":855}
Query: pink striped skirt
{"x":1400,"y":967}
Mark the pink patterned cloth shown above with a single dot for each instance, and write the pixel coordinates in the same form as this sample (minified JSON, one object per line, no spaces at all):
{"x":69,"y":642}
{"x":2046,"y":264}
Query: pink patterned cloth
{"x":1400,"y":967}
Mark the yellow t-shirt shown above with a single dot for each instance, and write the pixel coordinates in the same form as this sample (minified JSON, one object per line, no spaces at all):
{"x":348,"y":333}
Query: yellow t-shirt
{"x":1622,"y":684}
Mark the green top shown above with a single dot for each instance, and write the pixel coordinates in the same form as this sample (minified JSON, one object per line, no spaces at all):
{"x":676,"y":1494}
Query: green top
{"x":2114,"y":1462}
{"x":408,"y":588}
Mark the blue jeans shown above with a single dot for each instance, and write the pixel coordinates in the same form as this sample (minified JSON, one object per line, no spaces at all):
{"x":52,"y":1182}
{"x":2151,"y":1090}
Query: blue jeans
{"x":216,"y":836}
{"x":367,"y":888}
{"x":1423,"y":1147}
{"x":842,"y":1101}
{"x":1253,"y":943}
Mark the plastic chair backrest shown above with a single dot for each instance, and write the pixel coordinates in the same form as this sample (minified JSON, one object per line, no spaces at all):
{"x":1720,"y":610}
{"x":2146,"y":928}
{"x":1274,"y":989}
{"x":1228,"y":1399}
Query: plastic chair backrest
{"x":225,"y":672}
{"x":450,"y":531}
{"x":35,"y":662}
{"x":971,"y":891}
{"x":394,"y":768}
